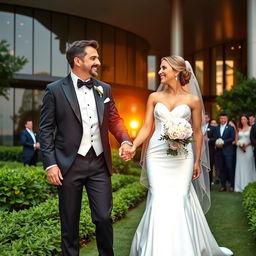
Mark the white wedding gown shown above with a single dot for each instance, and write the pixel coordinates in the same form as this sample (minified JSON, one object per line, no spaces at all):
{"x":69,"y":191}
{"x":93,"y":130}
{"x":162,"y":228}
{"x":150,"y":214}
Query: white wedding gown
{"x":173,"y":223}
{"x":245,"y":165}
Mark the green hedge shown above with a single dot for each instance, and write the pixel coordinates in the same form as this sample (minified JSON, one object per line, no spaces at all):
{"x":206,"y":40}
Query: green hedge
{"x":11,"y":153}
{"x":36,"y":231}
{"x":249,"y":203}
{"x":23,"y":187}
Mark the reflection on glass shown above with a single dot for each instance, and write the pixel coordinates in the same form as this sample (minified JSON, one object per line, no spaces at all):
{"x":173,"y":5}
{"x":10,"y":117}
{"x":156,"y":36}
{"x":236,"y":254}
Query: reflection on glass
{"x":23,"y":42}
{"x":7,"y":25}
{"x":152,"y":72}
{"x":219,"y":77}
{"x":59,"y":44}
{"x":121,"y":57}
{"x":108,"y":52}
{"x":229,"y":74}
{"x":6,"y":120}
{"x":76,"y":29}
{"x":199,"y":71}
{"x":131,"y":58}
{"x":42,"y":43}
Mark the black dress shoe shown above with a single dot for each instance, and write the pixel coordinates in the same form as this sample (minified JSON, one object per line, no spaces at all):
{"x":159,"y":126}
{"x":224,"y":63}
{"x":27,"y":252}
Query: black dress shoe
{"x":231,"y":189}
{"x":222,"y":189}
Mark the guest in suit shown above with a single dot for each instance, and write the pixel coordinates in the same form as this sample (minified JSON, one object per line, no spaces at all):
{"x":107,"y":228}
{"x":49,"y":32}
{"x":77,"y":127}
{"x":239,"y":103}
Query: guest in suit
{"x":30,"y":145}
{"x":251,"y":118}
{"x":224,"y":136}
{"x":209,"y":131}
{"x":213,"y":122}
{"x":77,"y":114}
{"x":253,"y":140}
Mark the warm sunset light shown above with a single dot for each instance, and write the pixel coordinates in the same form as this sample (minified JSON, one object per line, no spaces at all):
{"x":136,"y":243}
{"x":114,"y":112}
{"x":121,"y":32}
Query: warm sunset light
{"x":134,"y":124}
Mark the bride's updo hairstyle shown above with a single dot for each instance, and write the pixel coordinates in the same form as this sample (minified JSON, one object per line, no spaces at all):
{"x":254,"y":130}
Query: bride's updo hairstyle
{"x":178,"y":64}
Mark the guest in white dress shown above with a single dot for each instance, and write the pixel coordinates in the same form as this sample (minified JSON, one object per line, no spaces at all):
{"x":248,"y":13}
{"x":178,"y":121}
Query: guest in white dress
{"x":173,"y":223}
{"x":245,"y":165}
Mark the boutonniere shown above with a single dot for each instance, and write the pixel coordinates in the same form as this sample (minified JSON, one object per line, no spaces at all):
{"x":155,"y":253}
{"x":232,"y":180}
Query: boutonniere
{"x":99,"y":90}
{"x":226,"y":127}
{"x":208,"y":129}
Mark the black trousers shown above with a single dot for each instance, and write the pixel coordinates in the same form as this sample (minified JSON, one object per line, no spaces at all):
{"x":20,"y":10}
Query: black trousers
{"x":89,"y":171}
{"x":225,"y":164}
{"x":30,"y":160}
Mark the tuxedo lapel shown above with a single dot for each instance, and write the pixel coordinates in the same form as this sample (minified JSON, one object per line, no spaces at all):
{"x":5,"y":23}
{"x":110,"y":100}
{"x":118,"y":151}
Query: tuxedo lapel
{"x":99,"y":103}
{"x":225,"y":129}
{"x":218,"y":131}
{"x":70,"y":93}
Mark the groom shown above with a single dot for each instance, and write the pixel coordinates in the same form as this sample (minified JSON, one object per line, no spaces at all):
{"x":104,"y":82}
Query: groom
{"x":77,"y":113}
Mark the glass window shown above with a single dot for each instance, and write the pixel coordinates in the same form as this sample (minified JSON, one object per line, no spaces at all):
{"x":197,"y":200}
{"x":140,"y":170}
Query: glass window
{"x":108,"y":52}
{"x":7,"y":25}
{"x":42,"y":43}
{"x":131,"y":59}
{"x":199,"y":69}
{"x":121,"y":57}
{"x":141,"y":64}
{"x":59,"y":44}
{"x":233,"y":63}
{"x":6,"y":120}
{"x":217,"y":66}
{"x":23,"y":42}
{"x":93,"y":32}
{"x":76,"y":29}
{"x":152,"y":73}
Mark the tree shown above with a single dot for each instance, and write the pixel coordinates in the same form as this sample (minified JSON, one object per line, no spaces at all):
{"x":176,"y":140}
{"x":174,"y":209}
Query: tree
{"x":9,"y":64}
{"x":240,"y":99}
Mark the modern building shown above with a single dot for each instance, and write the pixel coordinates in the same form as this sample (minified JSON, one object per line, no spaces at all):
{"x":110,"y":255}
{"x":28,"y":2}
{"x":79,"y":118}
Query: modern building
{"x":215,"y":36}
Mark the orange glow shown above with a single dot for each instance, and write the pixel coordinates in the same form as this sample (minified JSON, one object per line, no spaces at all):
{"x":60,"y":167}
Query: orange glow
{"x":134,"y":124}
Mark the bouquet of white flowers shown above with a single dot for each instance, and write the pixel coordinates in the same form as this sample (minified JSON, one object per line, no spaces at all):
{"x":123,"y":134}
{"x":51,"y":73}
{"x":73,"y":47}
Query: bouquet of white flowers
{"x":219,"y":141}
{"x":178,"y":133}
{"x":241,"y":143}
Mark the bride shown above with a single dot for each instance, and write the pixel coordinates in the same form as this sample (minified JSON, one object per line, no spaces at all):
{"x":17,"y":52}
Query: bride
{"x":173,"y":223}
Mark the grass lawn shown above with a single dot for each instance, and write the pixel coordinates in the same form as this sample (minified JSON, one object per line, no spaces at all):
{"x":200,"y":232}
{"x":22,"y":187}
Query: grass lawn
{"x":226,"y":218}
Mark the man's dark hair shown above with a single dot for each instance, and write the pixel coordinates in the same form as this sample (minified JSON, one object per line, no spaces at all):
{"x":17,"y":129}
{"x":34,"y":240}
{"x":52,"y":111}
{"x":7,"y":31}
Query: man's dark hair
{"x":77,"y":49}
{"x":250,"y":114}
{"x":223,"y":114}
{"x":28,"y":120}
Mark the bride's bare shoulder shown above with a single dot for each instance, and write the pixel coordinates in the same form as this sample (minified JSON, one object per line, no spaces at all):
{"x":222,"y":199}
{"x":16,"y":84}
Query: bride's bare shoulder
{"x":155,"y":95}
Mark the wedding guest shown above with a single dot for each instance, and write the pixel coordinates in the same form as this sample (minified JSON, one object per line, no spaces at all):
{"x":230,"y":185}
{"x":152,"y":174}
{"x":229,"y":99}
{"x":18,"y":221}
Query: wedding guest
{"x":29,"y":141}
{"x":225,"y":135}
{"x":253,"y":140}
{"x":209,"y":131}
{"x":251,"y":118}
{"x":245,"y":165}
{"x":213,"y":122}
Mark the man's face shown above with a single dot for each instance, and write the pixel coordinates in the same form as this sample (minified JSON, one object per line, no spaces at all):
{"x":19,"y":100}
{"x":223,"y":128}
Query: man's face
{"x":251,"y":119}
{"x":90,"y":62}
{"x":29,"y":125}
{"x":207,"y":119}
{"x":223,"y":120}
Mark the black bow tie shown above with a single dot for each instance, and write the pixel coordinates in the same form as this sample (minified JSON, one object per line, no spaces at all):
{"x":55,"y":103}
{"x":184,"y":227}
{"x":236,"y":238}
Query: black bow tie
{"x":88,"y":84}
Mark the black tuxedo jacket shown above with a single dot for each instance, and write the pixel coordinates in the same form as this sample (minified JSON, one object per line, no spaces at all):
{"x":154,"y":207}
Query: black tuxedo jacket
{"x":61,"y":123}
{"x":228,"y":136}
{"x":210,"y":131}
{"x":253,"y":137}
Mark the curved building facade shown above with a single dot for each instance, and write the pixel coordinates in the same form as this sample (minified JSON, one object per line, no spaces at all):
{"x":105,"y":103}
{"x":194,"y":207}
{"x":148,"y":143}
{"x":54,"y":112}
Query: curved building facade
{"x":42,"y":37}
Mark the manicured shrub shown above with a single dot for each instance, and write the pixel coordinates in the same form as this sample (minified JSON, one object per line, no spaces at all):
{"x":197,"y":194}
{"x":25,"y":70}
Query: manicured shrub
{"x":249,"y":203}
{"x":23,"y":187}
{"x":36,"y":231}
{"x":11,"y":153}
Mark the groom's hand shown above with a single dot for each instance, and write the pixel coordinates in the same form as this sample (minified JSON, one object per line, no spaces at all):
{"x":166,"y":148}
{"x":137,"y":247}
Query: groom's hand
{"x":124,"y":152}
{"x":54,"y":175}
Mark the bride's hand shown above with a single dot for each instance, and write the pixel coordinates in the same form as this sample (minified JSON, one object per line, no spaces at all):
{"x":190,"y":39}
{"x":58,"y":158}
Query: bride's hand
{"x":196,"y":172}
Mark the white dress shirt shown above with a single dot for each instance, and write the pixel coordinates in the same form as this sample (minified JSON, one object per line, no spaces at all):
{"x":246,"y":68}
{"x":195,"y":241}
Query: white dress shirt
{"x":32,"y":135}
{"x":91,"y":131}
{"x":222,"y":128}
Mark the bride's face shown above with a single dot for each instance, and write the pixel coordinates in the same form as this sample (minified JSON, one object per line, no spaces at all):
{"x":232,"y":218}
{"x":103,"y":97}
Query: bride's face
{"x":166,"y":73}
{"x":244,"y":120}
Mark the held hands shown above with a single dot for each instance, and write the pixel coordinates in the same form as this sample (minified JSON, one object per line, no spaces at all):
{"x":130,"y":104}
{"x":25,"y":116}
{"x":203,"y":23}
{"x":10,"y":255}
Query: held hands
{"x":127,"y":152}
{"x":196,"y":171}
{"x":54,"y":175}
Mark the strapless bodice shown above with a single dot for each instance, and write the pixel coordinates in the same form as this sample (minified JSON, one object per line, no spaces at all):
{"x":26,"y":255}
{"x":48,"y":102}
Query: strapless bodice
{"x":244,"y":136}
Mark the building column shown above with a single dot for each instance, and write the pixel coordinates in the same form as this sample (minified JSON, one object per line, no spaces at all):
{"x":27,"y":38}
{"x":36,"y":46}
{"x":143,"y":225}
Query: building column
{"x":251,"y":38}
{"x":176,"y":28}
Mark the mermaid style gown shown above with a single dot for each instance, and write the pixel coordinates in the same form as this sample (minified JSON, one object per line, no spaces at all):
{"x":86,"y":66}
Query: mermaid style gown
{"x":173,"y":223}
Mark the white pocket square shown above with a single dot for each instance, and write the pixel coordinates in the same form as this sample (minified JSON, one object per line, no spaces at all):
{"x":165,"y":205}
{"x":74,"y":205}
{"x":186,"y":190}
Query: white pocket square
{"x":107,"y":100}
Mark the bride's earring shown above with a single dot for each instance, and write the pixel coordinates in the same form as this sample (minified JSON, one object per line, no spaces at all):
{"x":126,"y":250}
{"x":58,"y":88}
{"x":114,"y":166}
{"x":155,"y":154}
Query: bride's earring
{"x":176,"y":78}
